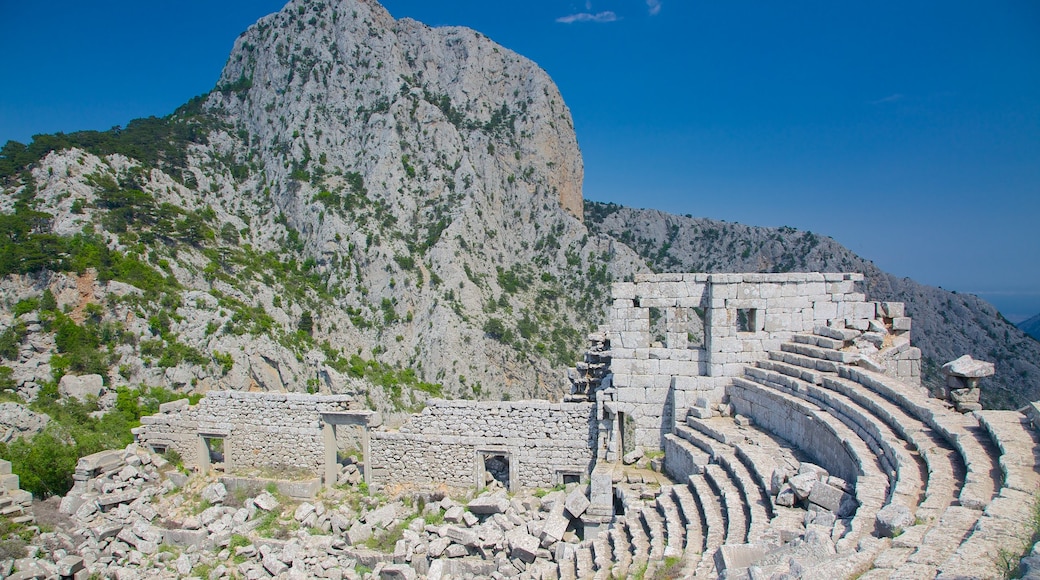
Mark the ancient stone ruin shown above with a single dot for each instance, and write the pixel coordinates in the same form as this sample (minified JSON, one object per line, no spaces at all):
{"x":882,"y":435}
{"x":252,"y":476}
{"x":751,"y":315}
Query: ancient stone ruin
{"x":796,"y":439}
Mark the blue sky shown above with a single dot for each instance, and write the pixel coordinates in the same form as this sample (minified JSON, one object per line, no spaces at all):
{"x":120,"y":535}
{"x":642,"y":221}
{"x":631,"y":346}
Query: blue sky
{"x":908,"y":131}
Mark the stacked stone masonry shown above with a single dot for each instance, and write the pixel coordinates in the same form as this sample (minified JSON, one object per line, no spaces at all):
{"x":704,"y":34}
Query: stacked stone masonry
{"x":447,"y":442}
{"x":792,"y":419}
{"x":257,"y":430}
{"x":715,"y":324}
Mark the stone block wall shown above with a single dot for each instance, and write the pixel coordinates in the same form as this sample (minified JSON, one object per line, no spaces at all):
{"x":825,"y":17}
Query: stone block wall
{"x":447,"y":441}
{"x":676,"y":338}
{"x":259,"y":429}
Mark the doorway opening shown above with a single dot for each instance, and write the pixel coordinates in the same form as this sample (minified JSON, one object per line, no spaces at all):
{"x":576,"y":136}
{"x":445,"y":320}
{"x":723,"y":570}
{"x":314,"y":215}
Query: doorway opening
{"x":495,"y":472}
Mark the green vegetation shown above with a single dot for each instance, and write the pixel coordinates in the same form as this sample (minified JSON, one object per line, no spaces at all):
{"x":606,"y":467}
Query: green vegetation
{"x":14,"y":538}
{"x":161,"y":143}
{"x":393,"y":380}
{"x":46,"y":462}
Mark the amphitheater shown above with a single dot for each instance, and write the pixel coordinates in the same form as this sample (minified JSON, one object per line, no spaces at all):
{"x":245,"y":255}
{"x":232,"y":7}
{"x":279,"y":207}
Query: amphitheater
{"x":786,"y":411}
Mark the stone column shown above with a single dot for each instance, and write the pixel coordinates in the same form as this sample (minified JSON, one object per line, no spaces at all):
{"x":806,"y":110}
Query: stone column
{"x":962,"y":382}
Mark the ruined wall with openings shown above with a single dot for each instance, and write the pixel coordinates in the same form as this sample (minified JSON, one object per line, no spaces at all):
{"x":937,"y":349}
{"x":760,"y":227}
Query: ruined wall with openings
{"x":447,"y":441}
{"x":258,"y":430}
{"x":677,"y":338}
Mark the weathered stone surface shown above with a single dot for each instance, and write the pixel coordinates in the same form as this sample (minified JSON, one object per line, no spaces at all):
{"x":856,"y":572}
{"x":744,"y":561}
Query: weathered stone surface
{"x":266,"y":501}
{"x":486,"y":504}
{"x":802,"y":485}
{"x":214,"y":493}
{"x":82,"y":386}
{"x":966,"y":366}
{"x":577,"y":503}
{"x":893,"y":519}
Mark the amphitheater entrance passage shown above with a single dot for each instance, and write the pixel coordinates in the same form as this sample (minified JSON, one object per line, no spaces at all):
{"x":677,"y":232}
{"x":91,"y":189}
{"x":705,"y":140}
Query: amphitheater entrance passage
{"x":495,"y":465}
{"x":333,"y":422}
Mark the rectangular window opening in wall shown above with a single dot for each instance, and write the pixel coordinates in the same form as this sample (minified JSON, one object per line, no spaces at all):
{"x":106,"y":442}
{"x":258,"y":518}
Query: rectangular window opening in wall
{"x":158,"y":449}
{"x":495,"y":469}
{"x":695,"y":328}
{"x":748,"y":320}
{"x":658,"y":326}
{"x":565,"y":477}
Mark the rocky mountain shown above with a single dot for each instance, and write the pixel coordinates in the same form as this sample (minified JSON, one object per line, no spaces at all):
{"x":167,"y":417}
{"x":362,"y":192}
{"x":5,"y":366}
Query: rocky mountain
{"x":364,"y":201}
{"x":1031,"y":326}
{"x":357,"y":197}
{"x":946,"y":324}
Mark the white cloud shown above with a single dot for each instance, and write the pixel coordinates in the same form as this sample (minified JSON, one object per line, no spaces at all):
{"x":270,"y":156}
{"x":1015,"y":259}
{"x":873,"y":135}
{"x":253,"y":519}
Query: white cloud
{"x":606,"y":16}
{"x":654,"y":6}
{"x":889,"y":99}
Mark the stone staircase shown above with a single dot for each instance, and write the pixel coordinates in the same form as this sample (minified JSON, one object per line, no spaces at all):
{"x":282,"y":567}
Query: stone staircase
{"x":15,"y":503}
{"x":964,"y":481}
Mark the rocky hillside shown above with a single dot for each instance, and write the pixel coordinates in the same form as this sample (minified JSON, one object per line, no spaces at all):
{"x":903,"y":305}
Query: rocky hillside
{"x":363,"y":200}
{"x":358,"y":197}
{"x":946,"y":324}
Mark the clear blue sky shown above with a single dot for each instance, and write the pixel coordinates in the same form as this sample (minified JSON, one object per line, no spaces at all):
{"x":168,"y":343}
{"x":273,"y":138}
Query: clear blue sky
{"x":908,"y":131}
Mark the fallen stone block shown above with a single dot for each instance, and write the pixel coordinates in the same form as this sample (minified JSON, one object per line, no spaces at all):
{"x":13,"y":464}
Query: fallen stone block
{"x":555,"y":527}
{"x":214,"y":493}
{"x":802,"y":485}
{"x":463,"y":536}
{"x":832,"y":499}
{"x":577,"y":503}
{"x":892,"y":519}
{"x":358,"y":533}
{"x":737,"y":556}
{"x":522,"y":545}
{"x":398,"y":572}
{"x":489,"y":504}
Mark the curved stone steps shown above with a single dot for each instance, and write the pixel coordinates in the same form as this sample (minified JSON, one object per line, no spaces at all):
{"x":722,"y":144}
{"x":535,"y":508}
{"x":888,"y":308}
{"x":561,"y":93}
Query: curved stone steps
{"x":674,"y":525}
{"x":566,"y":565}
{"x":638,"y":539}
{"x":695,"y":526}
{"x":682,"y":458}
{"x":715,"y":527}
{"x":905,"y":469}
{"x":654,"y":526}
{"x":733,"y":504}
{"x":1006,"y":522}
{"x":945,"y":470}
{"x":1019,"y":446}
{"x":584,"y":562}
{"x":602,"y":557}
{"x":818,"y":432}
{"x":754,"y":497}
{"x":620,"y":548}
{"x":962,"y":432}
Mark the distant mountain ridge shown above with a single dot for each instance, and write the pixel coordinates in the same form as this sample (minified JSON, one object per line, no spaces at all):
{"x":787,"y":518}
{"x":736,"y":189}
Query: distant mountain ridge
{"x":1031,"y":326}
{"x":368,"y":205}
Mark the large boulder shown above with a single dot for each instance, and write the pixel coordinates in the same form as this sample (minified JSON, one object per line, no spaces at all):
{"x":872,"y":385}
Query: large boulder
{"x":81,"y":386}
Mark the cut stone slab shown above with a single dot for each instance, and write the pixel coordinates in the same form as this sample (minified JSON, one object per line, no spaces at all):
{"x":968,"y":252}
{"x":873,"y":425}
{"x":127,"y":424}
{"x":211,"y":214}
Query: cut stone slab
{"x":803,"y":484}
{"x":577,"y":503}
{"x":893,"y":519}
{"x":968,"y":367}
{"x":266,"y":501}
{"x":832,"y":499}
{"x":489,"y":504}
{"x":555,"y":527}
{"x":522,"y":545}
